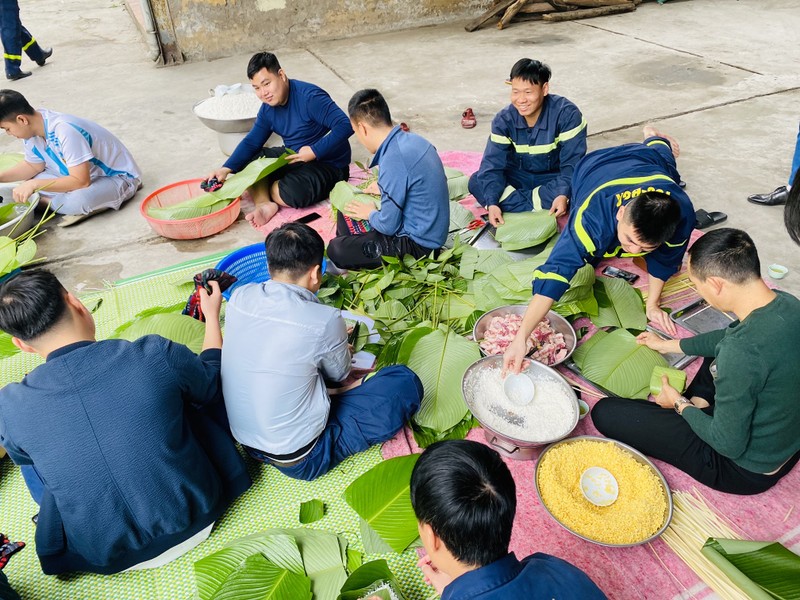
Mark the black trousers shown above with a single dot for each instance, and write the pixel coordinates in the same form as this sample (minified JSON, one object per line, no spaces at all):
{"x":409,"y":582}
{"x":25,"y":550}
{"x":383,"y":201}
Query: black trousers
{"x":665,"y":435}
{"x":303,"y":184}
{"x":364,"y":250}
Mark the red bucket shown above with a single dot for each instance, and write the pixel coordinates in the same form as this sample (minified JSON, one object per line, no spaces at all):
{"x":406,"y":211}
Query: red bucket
{"x":187,"y":229}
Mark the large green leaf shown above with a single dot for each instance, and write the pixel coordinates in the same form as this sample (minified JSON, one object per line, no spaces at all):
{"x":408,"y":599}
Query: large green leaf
{"x":26,"y":251}
{"x":7,"y":212}
{"x":212,"y":572}
{"x":762,"y":570}
{"x":525,"y":230}
{"x":425,"y":436}
{"x":382,"y":497}
{"x":581,"y":285}
{"x":236,"y":184}
{"x":182,"y":329}
{"x":457,"y":183}
{"x":369,"y":579}
{"x":199,"y":206}
{"x":259,"y":579}
{"x":344,"y":193}
{"x":460,"y":217}
{"x":619,"y":305}
{"x":373,"y":543}
{"x":620,"y":365}
{"x":440,"y":359}
{"x":586,"y":345}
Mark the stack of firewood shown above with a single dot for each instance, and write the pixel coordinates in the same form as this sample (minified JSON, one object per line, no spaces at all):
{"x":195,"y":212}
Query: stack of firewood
{"x":552,"y":10}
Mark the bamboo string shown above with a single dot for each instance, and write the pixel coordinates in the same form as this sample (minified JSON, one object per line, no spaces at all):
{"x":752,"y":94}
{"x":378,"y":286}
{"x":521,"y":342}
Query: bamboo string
{"x":693,"y":522}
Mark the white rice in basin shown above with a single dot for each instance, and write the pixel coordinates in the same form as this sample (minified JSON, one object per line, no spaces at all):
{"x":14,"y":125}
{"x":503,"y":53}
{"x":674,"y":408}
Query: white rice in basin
{"x":550,"y":416}
{"x":229,"y":107}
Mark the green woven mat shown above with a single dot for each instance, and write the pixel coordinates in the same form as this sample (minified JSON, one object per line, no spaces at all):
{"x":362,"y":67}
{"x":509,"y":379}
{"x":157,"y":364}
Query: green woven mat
{"x":273,"y":501}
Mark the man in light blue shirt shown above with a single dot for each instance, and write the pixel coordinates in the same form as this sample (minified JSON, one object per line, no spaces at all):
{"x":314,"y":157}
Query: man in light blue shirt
{"x":415,"y":205}
{"x":282,"y":349}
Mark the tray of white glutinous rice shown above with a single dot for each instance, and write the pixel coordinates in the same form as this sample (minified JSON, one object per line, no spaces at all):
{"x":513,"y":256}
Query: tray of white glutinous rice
{"x":641,"y":511}
{"x":517,"y":429}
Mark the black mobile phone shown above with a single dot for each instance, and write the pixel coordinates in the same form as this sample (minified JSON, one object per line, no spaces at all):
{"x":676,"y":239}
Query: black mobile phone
{"x":308,"y":218}
{"x":620,"y":273}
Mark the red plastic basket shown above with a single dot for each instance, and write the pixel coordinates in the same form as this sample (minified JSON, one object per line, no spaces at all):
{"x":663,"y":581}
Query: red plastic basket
{"x":187,"y":229}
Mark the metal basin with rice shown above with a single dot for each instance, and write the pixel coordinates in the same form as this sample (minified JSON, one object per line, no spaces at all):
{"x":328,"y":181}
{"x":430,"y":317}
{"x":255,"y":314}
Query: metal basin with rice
{"x":557,"y":322}
{"x":229,"y":131}
{"x":518,"y":431}
{"x":632,"y":453}
{"x":25,"y":218}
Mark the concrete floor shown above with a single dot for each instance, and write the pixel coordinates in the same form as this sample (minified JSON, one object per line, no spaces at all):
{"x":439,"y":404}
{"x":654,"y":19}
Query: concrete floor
{"x":720,"y":76}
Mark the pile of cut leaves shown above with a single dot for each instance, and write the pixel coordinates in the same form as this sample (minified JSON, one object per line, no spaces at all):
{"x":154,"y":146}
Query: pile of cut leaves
{"x":211,"y":202}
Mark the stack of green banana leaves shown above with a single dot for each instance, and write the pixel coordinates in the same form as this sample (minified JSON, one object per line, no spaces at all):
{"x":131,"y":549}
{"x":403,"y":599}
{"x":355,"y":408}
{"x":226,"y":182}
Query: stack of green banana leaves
{"x":211,"y":202}
{"x":343,"y":193}
{"x":525,"y":230}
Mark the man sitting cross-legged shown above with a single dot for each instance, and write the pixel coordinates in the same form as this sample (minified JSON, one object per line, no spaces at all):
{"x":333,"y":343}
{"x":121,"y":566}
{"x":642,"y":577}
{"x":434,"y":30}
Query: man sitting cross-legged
{"x":415,"y":205}
{"x":465,"y":500}
{"x":736,"y":428}
{"x":282,"y":348}
{"x":127,"y":441}
{"x":309,"y":122}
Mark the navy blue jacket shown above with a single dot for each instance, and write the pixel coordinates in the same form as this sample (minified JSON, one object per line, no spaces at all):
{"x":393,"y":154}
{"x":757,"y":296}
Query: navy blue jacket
{"x":540,"y":576}
{"x":605,"y":180}
{"x":526,"y":158}
{"x":414,"y":197}
{"x":131,"y":462}
{"x":309,"y":118}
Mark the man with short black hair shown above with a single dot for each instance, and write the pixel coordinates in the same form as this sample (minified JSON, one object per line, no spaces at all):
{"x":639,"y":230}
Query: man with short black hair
{"x":79,"y":167}
{"x":465,"y":500}
{"x":627,"y":203}
{"x":736,"y":428}
{"x":415,"y":205}
{"x":534,"y":146}
{"x":283,"y":349}
{"x":310,"y":124}
{"x":127,"y":441}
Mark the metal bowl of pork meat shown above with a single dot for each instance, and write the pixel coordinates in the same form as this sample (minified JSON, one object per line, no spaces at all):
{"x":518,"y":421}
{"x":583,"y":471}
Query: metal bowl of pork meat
{"x":517,"y":429}
{"x":551,"y":343}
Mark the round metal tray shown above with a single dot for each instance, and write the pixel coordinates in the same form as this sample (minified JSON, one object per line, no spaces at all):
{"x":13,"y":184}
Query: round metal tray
{"x":225,"y":125}
{"x":25,"y":219}
{"x":559,"y":323}
{"x":638,"y":457}
{"x":505,"y":444}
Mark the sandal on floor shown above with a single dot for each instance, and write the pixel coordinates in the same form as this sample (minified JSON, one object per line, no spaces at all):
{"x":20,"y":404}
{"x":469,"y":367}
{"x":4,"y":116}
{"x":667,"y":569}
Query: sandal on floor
{"x":707,"y":219}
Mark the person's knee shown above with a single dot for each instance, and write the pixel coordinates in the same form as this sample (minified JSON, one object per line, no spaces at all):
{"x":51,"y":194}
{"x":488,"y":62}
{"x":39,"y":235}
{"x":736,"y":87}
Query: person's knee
{"x":334,"y":251}
{"x":604,"y":414}
{"x":474,"y":186}
{"x":407,"y":385}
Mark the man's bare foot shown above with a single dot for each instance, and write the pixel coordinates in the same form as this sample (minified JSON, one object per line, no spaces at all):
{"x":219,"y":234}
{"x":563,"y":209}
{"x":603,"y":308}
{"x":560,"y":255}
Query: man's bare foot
{"x":262,"y":214}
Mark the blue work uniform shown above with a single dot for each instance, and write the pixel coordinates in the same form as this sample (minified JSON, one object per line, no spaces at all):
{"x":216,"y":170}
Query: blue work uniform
{"x":526,"y":168}
{"x":537,"y":576}
{"x":16,"y":39}
{"x":605,"y":180}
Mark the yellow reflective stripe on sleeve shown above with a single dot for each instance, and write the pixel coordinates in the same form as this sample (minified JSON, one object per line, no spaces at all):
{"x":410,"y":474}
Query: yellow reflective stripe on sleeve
{"x":618,"y":252}
{"x":29,"y":44}
{"x":580,"y":230}
{"x":676,"y":245}
{"x":499,"y":139}
{"x":651,"y":142}
{"x":537,"y":274}
{"x":545,"y":148}
{"x":12,"y":57}
{"x":507,"y":192}
{"x":568,"y":135}
{"x":536,"y":199}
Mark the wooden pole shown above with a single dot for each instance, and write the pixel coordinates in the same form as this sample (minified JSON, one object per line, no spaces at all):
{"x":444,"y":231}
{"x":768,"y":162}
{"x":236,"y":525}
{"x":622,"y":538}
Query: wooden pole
{"x":596,"y":3}
{"x":557,"y":17}
{"x":492,"y":12}
{"x":533,"y":8}
{"x":510,"y":12}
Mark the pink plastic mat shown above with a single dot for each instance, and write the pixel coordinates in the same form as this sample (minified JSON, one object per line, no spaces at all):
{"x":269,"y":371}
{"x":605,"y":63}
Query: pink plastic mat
{"x":629,"y":572}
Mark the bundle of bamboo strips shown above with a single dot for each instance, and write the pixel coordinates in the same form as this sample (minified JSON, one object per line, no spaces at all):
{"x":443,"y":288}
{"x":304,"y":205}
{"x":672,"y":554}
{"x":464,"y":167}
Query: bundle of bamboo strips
{"x":693,"y":522}
{"x":552,"y":10}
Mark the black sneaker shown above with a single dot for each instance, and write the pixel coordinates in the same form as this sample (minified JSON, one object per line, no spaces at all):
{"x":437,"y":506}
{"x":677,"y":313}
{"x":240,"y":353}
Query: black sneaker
{"x":35,"y":519}
{"x":19,"y":75}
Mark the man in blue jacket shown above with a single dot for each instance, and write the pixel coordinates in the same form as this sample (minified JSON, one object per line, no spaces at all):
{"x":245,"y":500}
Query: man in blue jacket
{"x":627,"y":203}
{"x":465,"y":500}
{"x":415,"y":206}
{"x":533,"y":148}
{"x":128,"y":440}
{"x":309,"y":122}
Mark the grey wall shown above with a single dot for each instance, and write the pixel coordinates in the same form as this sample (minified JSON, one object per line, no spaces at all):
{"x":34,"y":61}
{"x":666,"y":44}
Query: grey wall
{"x":209,"y":29}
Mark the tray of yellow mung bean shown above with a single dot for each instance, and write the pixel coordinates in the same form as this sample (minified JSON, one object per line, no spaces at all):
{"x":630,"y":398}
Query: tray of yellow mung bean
{"x":642,"y":510}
